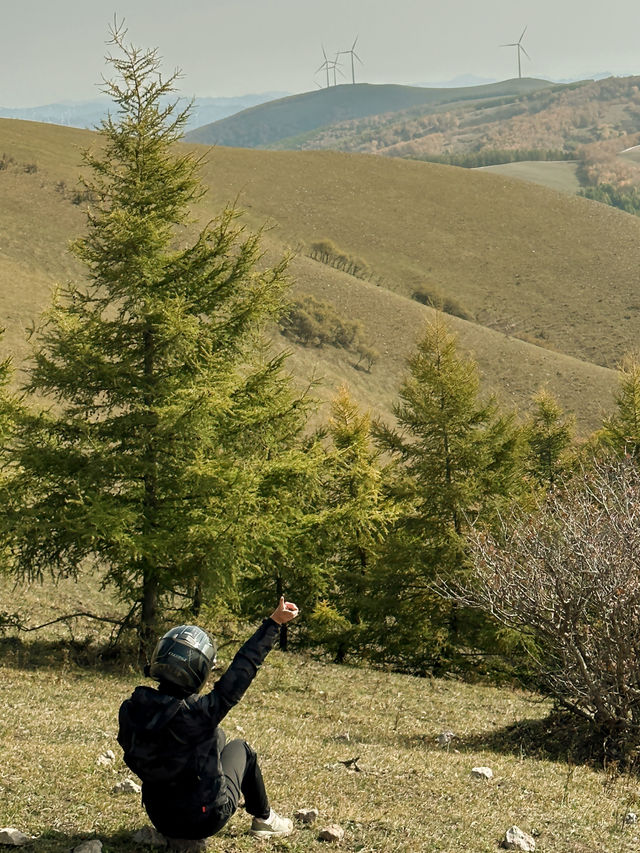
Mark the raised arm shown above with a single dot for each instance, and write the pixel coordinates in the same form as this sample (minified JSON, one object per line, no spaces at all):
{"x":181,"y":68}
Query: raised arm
{"x":230,"y":688}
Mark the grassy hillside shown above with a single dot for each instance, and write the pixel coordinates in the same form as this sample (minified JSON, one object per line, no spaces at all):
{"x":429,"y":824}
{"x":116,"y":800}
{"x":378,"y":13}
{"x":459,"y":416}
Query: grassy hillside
{"x":267,"y":125}
{"x":524,"y":261}
{"x":555,"y":174}
{"x":520,"y":258}
{"x":303,"y":717}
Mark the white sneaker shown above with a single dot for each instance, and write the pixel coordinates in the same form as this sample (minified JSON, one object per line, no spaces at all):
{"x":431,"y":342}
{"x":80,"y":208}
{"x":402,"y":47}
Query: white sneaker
{"x":273,"y":825}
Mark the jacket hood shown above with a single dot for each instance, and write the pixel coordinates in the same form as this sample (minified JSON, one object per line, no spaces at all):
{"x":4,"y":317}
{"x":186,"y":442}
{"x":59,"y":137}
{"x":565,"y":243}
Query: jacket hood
{"x":151,"y":710}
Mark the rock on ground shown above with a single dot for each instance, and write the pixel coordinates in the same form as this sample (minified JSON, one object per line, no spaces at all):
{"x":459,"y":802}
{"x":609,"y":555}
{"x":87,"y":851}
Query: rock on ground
{"x":445,"y":738}
{"x":92,"y":846}
{"x":149,"y":836}
{"x":106,"y":759}
{"x":127,"y":786}
{"x":333,"y":832}
{"x":13,"y":837}
{"x":516,"y":839}
{"x":482,"y":773}
{"x":307,"y":815}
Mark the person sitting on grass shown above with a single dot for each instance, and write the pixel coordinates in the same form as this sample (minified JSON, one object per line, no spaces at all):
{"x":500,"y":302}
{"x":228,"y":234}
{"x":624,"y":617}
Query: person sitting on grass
{"x":192,"y":777}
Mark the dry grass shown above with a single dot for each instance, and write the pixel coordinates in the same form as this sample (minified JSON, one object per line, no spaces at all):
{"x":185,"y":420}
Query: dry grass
{"x":525,"y":261}
{"x":410,"y":796}
{"x":59,"y":716}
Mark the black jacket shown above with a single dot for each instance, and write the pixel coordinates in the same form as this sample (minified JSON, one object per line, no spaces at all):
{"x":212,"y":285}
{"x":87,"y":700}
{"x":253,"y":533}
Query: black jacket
{"x":186,"y":730}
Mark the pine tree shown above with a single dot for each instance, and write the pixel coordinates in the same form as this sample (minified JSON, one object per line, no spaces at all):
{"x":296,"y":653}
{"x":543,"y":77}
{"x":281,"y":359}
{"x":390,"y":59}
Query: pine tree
{"x":165,"y":409}
{"x":358,"y":515}
{"x":621,"y":431}
{"x":458,"y":459}
{"x":548,"y":434}
{"x":284,"y":543}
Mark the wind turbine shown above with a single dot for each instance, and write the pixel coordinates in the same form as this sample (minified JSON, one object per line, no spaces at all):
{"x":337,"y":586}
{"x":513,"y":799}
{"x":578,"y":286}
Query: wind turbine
{"x":335,"y":65}
{"x":518,"y":45}
{"x":353,"y":54}
{"x":325,"y":66}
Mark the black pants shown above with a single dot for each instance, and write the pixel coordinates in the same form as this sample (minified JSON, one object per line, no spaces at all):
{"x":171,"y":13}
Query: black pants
{"x":243,"y":777}
{"x":195,"y":817}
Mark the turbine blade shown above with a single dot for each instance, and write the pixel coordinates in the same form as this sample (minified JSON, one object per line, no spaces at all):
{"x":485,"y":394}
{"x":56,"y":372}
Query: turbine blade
{"x":358,"y":58}
{"x":522,"y":36}
{"x":525,"y":52}
{"x":353,"y":46}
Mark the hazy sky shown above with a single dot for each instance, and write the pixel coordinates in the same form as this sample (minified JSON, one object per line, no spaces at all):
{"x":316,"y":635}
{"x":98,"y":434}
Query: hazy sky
{"x":53,"y":50}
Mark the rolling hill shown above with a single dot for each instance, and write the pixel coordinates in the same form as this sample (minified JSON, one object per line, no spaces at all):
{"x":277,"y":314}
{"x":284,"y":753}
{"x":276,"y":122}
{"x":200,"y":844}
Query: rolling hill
{"x":284,"y":123}
{"x":523,"y":260}
{"x":567,"y":137}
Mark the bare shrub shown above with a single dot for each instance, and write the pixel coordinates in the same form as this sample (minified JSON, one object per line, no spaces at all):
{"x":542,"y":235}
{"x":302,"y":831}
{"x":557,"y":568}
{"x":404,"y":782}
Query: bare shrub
{"x":434,"y":299}
{"x":567,"y":577}
{"x":367,"y":355}
{"x":328,"y":253}
{"x":311,"y":322}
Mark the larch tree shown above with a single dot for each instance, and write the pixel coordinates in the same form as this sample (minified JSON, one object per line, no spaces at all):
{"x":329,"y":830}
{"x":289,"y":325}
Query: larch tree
{"x":164,"y":411}
{"x":621,"y":431}
{"x":359,"y":512}
{"x":549,"y":434}
{"x":458,"y":459}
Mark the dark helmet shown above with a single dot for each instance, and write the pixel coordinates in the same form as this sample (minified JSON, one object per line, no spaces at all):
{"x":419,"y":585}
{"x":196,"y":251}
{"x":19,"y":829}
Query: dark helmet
{"x":183,"y":657}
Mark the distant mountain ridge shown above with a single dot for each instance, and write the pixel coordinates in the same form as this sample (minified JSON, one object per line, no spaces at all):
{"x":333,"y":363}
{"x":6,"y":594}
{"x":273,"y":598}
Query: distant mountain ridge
{"x":88,"y":114}
{"x":271,"y":124}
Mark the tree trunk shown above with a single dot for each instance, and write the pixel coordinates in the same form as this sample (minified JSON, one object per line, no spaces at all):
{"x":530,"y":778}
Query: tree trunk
{"x":150,"y":582}
{"x":196,"y":604}
{"x":147,"y":631}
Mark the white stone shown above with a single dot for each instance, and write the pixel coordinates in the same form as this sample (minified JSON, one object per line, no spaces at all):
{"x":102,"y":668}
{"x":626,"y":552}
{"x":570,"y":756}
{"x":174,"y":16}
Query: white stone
{"x":92,"y":846}
{"x":630,"y":817}
{"x":150,"y":836}
{"x":13,"y":837}
{"x":516,"y":839}
{"x":445,"y":738}
{"x":333,"y":832}
{"x":307,"y":815}
{"x":106,"y":759}
{"x":127,"y":786}
{"x":482,"y":773}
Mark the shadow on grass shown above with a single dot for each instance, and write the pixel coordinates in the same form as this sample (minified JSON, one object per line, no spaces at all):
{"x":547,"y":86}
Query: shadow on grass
{"x":558,"y":737}
{"x":61,"y":654}
{"x":60,"y":842}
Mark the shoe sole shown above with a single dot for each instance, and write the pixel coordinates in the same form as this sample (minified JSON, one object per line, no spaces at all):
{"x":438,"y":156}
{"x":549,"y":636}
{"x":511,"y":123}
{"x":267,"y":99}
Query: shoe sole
{"x":269,"y":833}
